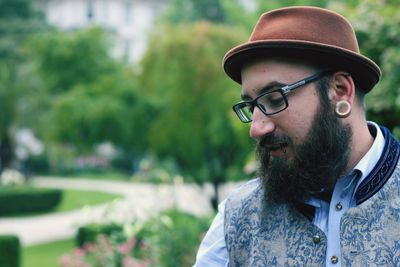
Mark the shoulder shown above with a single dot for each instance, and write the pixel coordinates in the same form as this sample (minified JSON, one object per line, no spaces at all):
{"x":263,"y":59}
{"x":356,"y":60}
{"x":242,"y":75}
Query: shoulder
{"x":245,"y":192}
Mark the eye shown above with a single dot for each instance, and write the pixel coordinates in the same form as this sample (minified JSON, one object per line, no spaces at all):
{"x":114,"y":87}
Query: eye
{"x":272,"y":101}
{"x":275,"y":102}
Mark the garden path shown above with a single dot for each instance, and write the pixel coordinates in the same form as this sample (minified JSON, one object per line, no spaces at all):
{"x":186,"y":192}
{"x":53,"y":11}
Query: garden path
{"x":138,"y":201}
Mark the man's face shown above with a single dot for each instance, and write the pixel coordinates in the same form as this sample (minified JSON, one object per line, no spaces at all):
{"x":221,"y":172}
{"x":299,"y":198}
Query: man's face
{"x":303,"y":148}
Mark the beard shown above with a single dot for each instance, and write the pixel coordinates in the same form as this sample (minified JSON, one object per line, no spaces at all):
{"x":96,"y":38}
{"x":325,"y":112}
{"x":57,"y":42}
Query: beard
{"x":315,"y":165}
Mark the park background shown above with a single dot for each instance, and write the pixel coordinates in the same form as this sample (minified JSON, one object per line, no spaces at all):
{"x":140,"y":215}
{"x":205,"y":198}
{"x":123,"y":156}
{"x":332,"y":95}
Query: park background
{"x":73,"y":108}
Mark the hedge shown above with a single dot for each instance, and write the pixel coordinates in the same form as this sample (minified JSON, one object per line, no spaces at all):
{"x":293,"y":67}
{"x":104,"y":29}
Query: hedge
{"x":9,"y":251}
{"x":27,"y":199}
{"x":89,"y":233}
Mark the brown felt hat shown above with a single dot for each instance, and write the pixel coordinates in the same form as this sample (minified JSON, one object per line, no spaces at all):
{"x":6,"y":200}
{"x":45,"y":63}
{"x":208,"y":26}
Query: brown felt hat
{"x":308,"y":33}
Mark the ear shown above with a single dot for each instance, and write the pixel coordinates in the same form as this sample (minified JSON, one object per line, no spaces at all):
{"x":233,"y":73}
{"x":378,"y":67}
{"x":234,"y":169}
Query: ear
{"x":342,"y":87}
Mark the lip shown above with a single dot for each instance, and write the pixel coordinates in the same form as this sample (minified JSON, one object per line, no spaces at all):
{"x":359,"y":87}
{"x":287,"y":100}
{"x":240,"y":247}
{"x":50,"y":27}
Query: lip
{"x":277,"y":150}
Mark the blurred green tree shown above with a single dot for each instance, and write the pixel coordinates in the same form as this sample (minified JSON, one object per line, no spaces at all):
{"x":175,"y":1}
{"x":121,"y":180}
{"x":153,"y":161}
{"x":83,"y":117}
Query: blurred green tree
{"x":377,"y":27}
{"x":18,"y":20}
{"x":91,"y":96}
{"x":182,"y":75}
{"x":179,"y":11}
{"x":245,"y":13}
{"x":233,"y":12}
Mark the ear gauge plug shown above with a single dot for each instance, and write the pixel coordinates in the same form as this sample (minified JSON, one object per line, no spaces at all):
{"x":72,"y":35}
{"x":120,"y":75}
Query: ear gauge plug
{"x":343,"y":109}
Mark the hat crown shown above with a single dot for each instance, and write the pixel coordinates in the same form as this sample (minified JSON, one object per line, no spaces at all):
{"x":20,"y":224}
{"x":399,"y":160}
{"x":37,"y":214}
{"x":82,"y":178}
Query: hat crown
{"x":305,"y":33}
{"x":307,"y":24}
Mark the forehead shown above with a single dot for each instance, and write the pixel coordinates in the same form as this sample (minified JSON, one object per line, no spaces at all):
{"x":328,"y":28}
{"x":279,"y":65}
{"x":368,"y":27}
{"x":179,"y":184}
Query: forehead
{"x":256,"y":75}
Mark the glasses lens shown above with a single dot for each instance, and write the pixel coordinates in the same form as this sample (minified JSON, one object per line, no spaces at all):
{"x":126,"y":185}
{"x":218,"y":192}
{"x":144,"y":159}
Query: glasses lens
{"x":244,"y":111}
{"x":272,"y":102}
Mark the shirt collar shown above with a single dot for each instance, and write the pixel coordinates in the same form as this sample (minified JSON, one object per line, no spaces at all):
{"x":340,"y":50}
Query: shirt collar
{"x":371,"y":158}
{"x":366,"y":164}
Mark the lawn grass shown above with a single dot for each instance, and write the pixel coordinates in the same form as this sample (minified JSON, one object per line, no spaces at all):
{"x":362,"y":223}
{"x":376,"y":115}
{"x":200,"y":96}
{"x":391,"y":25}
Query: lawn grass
{"x":95,"y":175}
{"x":76,"y":199}
{"x":46,"y":255}
{"x":49,"y":254}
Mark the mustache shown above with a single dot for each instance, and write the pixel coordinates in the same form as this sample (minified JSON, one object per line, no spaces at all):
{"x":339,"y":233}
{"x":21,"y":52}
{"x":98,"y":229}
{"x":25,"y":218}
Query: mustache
{"x":272,"y":140}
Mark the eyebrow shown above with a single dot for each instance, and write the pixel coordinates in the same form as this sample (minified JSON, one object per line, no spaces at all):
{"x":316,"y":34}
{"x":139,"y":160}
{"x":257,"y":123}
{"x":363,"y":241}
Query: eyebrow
{"x":269,"y":87}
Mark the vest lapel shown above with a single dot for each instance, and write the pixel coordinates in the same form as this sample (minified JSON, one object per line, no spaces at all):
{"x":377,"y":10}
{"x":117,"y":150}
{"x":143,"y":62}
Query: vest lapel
{"x":382,"y":171}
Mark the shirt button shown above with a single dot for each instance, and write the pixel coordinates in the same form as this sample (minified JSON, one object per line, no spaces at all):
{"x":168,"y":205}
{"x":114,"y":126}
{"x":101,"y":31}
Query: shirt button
{"x":334,"y":259}
{"x":339,"y":206}
{"x":316,"y":239}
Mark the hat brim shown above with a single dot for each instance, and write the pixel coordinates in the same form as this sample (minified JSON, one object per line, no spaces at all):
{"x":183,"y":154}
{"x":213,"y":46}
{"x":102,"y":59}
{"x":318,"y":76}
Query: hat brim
{"x":363,"y":70}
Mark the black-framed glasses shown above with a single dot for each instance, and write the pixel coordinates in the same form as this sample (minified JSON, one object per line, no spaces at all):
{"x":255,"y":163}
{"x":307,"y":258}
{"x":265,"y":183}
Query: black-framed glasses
{"x":271,"y":102}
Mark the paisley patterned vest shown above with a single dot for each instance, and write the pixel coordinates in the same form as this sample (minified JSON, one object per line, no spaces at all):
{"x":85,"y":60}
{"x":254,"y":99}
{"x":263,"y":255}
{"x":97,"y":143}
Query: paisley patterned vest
{"x":259,"y":233}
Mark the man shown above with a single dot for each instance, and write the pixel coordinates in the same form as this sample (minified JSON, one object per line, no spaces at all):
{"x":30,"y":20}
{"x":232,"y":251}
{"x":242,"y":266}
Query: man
{"x":329,"y":181}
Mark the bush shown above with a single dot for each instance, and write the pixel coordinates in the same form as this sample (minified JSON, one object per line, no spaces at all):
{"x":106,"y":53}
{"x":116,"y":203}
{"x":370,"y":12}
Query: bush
{"x":123,"y":163}
{"x":9,"y":251}
{"x":169,"y":239}
{"x":113,"y":251}
{"x":173,"y":237}
{"x":89,"y":233}
{"x":27,"y":199}
{"x":37,"y":164}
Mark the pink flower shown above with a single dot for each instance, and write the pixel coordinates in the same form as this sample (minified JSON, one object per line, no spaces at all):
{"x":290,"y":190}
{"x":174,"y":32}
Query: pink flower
{"x":89,"y":247}
{"x":126,"y":248}
{"x":128,"y":262}
{"x":64,"y":261}
{"x":73,"y":260}
{"x":132,"y":241}
{"x":79,"y":253}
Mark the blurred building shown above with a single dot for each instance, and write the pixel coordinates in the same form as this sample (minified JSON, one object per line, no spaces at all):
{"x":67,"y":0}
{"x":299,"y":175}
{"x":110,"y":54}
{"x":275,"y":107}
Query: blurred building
{"x":129,"y":20}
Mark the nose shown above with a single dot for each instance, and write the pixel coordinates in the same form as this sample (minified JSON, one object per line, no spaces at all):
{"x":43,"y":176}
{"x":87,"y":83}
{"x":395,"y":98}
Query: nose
{"x":261,"y":124}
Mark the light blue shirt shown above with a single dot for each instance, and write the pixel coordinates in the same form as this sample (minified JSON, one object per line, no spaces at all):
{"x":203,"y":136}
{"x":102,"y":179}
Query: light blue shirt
{"x":212,"y":251}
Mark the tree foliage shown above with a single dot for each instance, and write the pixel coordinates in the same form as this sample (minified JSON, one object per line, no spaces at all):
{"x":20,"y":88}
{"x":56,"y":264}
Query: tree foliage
{"x":246,"y":13}
{"x":377,"y":27}
{"x":180,"y":11}
{"x":18,"y":21}
{"x":196,"y":126}
{"x":92,"y":97}
{"x":67,"y":59}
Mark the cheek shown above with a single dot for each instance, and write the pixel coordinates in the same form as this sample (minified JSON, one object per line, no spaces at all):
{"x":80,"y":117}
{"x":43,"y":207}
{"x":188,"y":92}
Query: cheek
{"x":299,"y":131}
{"x":299,"y":123}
